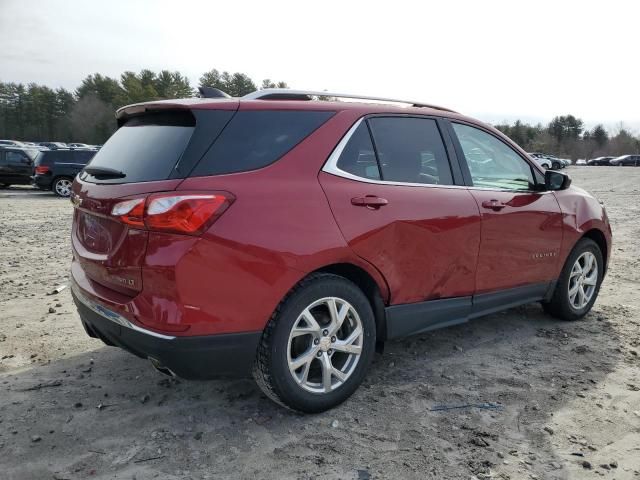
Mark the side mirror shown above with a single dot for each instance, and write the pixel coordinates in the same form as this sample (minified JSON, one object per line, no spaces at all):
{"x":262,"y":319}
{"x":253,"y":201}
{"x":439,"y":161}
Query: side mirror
{"x":554,"y":180}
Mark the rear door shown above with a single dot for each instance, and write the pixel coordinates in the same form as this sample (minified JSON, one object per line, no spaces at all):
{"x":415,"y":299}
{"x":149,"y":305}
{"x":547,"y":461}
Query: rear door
{"x":398,"y":208}
{"x":521,"y":224}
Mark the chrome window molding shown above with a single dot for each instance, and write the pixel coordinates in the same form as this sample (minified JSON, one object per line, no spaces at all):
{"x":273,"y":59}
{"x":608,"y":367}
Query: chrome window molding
{"x":331,"y":167}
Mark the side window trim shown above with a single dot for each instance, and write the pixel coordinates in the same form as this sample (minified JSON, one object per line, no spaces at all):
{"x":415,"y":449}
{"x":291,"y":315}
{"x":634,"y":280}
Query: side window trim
{"x":466,"y":173}
{"x":331,"y":164}
{"x":375,"y":149}
{"x":454,"y":158}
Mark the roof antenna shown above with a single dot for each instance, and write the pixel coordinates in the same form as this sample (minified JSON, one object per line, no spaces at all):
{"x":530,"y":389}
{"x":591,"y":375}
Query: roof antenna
{"x":211,"y":92}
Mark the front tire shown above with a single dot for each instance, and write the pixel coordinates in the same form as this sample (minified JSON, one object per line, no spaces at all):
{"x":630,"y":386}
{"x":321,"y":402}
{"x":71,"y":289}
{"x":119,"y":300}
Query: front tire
{"x":556,"y":166}
{"x":579,"y":282}
{"x":62,"y":186}
{"x":318,"y":345}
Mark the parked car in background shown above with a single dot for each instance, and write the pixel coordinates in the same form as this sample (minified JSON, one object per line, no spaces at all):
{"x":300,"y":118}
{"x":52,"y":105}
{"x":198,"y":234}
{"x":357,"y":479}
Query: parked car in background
{"x":16,"y":165}
{"x":581,"y":161}
{"x":599,"y":161}
{"x":543,"y":162}
{"x":11,"y":143}
{"x":55,"y":169}
{"x":556,"y":163}
{"x":53,"y":145}
{"x":625,"y":160}
{"x":350,"y":204}
{"x":79,"y":145}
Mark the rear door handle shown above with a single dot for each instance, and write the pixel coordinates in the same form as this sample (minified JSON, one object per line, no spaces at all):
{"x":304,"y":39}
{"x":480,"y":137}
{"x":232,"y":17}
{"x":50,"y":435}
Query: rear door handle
{"x":493,"y":205}
{"x":369,"y":201}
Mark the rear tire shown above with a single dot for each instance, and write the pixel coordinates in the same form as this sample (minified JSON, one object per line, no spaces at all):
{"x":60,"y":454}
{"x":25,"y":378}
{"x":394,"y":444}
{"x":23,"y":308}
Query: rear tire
{"x":579,"y":283}
{"x":555,"y":166}
{"x":314,"y":363}
{"x":62,"y":186}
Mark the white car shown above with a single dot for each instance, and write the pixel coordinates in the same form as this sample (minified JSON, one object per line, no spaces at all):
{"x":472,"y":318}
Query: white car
{"x":11,"y":143}
{"x":543,"y":162}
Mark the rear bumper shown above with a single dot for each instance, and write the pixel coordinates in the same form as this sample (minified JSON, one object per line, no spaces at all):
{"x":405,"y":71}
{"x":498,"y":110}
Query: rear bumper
{"x":41,"y":181}
{"x":195,"y":358}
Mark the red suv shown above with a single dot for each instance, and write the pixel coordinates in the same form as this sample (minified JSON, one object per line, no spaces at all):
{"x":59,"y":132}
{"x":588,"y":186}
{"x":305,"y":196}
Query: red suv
{"x":289,"y":237}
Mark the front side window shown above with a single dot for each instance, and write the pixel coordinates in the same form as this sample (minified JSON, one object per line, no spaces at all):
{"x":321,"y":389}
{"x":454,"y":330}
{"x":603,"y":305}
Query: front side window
{"x":493,"y":164}
{"x":358,"y":157}
{"x":410,"y":150}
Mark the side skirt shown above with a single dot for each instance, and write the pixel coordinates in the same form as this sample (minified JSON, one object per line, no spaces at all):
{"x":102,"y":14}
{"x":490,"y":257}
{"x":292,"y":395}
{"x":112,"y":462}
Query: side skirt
{"x":414,"y":318}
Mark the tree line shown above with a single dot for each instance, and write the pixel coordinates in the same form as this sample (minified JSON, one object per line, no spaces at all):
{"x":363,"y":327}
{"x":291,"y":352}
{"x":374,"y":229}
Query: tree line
{"x":38,"y":113}
{"x":566,"y":137}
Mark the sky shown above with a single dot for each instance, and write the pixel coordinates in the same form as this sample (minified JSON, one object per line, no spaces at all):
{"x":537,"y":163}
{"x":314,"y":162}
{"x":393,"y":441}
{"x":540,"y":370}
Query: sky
{"x":489,"y":59}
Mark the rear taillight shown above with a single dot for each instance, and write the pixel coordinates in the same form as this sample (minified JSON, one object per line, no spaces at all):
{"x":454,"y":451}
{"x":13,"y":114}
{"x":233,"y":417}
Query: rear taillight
{"x":130,"y":212}
{"x":41,"y":170}
{"x":187,"y":213}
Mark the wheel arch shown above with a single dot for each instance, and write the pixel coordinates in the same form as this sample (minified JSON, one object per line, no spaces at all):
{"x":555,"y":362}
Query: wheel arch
{"x":369,"y":286}
{"x":600,"y":239}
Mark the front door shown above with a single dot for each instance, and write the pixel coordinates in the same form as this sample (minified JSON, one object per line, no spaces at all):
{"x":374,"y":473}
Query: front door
{"x":521,"y":224}
{"x":17,"y":167}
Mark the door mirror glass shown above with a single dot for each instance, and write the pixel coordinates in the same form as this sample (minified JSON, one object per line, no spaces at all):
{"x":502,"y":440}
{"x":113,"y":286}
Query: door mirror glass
{"x":554,"y":180}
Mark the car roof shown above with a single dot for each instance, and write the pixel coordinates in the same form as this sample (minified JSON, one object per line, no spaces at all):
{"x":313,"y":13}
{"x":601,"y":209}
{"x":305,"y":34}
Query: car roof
{"x":359,"y":107}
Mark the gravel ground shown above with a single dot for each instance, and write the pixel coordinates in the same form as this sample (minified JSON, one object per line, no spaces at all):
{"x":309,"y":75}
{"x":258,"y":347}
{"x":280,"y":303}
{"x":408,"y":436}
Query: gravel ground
{"x":544,"y":399}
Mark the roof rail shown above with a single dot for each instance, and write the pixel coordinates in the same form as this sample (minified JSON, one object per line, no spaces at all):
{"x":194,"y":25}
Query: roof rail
{"x":289,"y":94}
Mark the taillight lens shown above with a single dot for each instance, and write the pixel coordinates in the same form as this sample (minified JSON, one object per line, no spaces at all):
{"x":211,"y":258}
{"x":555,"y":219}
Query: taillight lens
{"x":130,"y":212}
{"x":186,"y":213}
{"x":182,"y":213}
{"x":41,"y":170}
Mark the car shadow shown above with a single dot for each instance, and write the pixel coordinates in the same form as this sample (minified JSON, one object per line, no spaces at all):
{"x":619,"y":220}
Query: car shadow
{"x":446,"y":404}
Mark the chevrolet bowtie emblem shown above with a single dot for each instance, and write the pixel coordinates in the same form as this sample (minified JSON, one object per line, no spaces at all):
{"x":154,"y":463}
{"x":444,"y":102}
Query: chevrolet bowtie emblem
{"x":76,"y":200}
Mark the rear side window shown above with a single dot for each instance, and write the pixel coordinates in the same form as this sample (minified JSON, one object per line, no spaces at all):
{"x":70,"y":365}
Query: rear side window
{"x":145,"y":148}
{"x":410,"y":150}
{"x":17,"y":158}
{"x":358,"y":157}
{"x":255,"y":139}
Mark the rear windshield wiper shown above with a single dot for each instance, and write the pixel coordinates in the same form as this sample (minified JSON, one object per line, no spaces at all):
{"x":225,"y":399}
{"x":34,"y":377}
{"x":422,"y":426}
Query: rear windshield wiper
{"x":104,"y":172}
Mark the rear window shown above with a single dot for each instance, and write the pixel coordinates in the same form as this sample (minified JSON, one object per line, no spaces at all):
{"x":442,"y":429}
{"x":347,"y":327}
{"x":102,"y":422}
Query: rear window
{"x":255,"y":139}
{"x":53,"y":156}
{"x":145,"y":148}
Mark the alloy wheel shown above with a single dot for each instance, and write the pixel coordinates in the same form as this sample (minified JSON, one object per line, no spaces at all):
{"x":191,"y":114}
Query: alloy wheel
{"x":583,"y":280}
{"x":325,"y":345}
{"x":63,"y":187}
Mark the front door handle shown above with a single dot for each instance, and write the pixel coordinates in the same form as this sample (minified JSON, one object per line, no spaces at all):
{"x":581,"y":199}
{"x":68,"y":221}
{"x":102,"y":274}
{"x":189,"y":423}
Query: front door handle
{"x":493,"y":205}
{"x":369,"y":201}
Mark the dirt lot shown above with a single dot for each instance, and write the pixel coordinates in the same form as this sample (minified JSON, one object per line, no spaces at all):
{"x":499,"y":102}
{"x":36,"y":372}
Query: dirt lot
{"x":566,"y":395}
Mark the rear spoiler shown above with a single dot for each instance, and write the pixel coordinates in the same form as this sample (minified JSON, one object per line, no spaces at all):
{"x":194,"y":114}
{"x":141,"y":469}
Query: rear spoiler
{"x":125,"y":113}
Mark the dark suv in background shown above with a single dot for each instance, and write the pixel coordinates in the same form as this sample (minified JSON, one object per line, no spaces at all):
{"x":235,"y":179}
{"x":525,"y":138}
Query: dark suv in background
{"x":55,"y":169}
{"x":16,"y":166}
